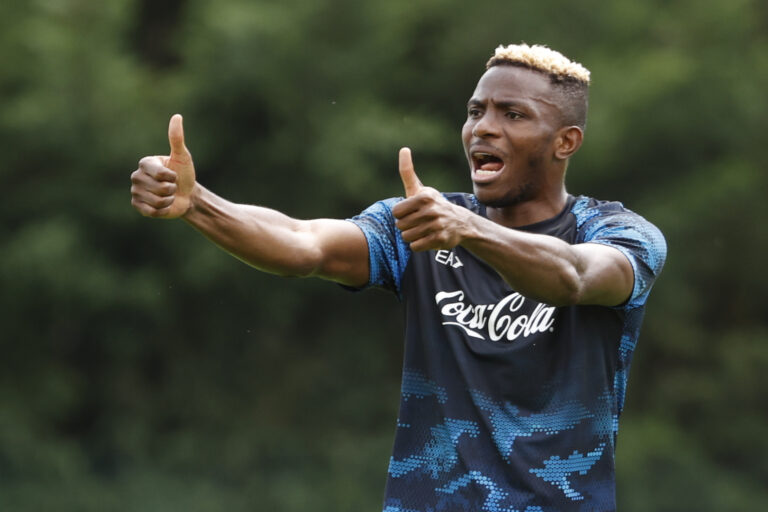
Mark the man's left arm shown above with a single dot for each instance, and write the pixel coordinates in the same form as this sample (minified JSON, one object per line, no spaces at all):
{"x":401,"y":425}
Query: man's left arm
{"x":541,"y":267}
{"x":550,"y":270}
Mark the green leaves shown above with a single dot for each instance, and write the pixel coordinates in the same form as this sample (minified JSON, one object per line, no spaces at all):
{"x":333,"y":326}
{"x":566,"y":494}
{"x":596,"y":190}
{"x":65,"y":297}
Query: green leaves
{"x":277,"y":391}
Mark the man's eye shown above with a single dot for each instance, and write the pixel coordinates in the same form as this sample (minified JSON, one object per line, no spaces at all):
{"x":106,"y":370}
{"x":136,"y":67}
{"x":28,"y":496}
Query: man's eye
{"x":514,"y":115}
{"x":474,"y":113}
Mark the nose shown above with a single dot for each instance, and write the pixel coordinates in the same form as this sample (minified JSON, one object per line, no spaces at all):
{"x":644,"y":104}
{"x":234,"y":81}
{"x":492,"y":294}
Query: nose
{"x":486,"y":126}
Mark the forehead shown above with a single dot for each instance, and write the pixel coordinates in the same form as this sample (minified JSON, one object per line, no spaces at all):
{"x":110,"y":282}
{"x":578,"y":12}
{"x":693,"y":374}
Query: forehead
{"x":514,"y":83}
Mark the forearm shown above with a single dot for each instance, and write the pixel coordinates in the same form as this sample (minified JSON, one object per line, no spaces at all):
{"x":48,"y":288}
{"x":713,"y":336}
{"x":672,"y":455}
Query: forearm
{"x":538,"y":266}
{"x":261,"y":237}
{"x":165,"y":187}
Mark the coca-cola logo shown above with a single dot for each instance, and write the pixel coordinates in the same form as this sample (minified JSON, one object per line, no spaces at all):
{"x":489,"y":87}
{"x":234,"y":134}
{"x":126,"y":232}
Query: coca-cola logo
{"x":504,"y":320}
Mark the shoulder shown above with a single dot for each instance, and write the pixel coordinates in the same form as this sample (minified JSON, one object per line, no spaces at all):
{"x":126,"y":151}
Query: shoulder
{"x":611,"y":223}
{"x":381,"y":207}
{"x":585,"y":209}
{"x":594,"y":216}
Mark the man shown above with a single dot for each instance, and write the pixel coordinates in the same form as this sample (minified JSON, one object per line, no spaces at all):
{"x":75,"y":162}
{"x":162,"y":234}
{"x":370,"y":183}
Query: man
{"x":523,"y":303}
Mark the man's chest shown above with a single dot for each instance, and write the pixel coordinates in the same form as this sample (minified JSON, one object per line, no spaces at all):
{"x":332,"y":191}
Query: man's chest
{"x":464,"y":295}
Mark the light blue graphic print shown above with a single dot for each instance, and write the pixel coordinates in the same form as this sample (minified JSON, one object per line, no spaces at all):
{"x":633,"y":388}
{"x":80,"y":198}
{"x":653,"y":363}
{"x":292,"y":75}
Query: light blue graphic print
{"x":626,"y":349}
{"x":627,"y":346}
{"x":606,"y":422}
{"x":439,"y":454}
{"x":556,"y":470}
{"x":415,"y":384}
{"x":388,"y":253}
{"x":508,"y":425}
{"x":640,"y":241}
{"x":397,"y":508}
{"x":495,"y":496}
{"x":439,"y":457}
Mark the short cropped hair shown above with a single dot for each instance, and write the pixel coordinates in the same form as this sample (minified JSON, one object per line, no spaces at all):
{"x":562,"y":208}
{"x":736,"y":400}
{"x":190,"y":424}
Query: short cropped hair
{"x":570,"y":79}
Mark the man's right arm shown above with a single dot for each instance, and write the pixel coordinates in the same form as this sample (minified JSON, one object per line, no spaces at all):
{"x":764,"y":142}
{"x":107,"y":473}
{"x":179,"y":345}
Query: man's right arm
{"x":165,"y":187}
{"x":273,"y":242}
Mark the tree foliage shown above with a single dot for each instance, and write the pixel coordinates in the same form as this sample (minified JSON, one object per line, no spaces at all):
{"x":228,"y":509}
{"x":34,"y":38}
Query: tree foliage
{"x":143,"y":369}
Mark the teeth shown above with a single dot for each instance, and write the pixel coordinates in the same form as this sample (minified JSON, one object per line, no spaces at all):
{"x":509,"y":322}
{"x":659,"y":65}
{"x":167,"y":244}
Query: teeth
{"x":483,"y":172}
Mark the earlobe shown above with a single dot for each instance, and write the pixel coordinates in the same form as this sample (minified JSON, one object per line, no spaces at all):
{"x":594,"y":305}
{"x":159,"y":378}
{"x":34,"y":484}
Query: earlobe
{"x":568,"y":142}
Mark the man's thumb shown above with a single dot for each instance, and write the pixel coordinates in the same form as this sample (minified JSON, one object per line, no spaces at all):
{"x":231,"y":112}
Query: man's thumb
{"x":179,"y":151}
{"x":408,"y":174}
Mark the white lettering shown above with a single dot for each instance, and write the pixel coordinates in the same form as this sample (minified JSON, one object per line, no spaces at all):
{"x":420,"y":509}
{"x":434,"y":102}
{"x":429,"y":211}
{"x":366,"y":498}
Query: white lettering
{"x":500,"y":318}
{"x":448,"y":258}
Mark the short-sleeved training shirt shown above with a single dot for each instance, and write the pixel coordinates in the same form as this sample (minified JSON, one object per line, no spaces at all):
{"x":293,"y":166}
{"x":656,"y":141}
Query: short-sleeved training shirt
{"x":508,"y":404}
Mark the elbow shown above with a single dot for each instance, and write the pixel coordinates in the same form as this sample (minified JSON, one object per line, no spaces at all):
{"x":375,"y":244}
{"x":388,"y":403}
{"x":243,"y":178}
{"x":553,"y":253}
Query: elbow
{"x":559,"y":291}
{"x":569,"y":290}
{"x":305,"y":261}
{"x":306,"y":265}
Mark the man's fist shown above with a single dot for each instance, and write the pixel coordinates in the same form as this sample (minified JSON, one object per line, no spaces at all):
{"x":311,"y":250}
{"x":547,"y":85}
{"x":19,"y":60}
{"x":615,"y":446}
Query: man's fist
{"x":162,"y":185}
{"x":425,"y":218}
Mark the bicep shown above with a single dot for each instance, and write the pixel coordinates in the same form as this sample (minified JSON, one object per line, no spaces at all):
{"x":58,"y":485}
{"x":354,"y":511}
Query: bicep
{"x":342,"y":251}
{"x":606,"y":275}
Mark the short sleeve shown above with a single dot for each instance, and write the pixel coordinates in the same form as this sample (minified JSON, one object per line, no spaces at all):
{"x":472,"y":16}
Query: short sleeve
{"x":388,"y":254}
{"x":639,"y":240}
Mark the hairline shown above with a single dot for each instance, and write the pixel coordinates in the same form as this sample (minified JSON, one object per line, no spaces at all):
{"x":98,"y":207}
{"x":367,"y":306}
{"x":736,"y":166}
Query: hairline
{"x":564,"y":88}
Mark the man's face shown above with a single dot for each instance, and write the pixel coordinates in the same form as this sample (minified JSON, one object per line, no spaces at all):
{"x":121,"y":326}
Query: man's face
{"x":509,"y":135}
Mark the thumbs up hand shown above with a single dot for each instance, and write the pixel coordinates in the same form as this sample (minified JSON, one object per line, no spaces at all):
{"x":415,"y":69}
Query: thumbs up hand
{"x":425,"y":218}
{"x":162,"y":185}
{"x":411,"y":182}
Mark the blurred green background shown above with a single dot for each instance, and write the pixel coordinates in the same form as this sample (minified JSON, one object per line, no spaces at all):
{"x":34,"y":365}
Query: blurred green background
{"x":141,"y":369}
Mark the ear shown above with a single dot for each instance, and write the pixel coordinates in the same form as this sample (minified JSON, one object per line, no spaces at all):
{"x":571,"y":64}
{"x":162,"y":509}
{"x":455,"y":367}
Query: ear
{"x":568,"y":141}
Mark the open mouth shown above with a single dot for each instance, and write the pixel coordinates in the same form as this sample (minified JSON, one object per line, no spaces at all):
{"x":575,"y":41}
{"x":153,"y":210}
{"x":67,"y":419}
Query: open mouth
{"x":486,"y":164}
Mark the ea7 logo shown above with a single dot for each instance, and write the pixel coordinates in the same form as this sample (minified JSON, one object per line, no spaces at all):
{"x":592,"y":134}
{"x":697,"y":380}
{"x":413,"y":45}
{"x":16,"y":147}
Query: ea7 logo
{"x":448,"y":258}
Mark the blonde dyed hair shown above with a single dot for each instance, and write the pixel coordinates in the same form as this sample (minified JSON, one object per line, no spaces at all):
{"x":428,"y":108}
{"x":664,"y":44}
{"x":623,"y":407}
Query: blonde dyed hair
{"x":540,"y":58}
{"x":569,"y":79}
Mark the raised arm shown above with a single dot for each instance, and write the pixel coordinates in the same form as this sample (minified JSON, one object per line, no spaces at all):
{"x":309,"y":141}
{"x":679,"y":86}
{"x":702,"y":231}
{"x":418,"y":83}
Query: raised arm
{"x":542,"y":267}
{"x":165,"y":187}
{"x":551,"y":270}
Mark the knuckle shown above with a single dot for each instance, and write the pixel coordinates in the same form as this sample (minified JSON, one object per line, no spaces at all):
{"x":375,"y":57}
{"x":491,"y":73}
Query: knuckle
{"x":141,"y":207}
{"x":433,"y":212}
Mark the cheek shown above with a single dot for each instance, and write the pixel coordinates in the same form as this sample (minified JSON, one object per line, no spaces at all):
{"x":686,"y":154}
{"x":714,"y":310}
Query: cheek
{"x":537,"y":156}
{"x":466,"y":133}
{"x":537,"y":143}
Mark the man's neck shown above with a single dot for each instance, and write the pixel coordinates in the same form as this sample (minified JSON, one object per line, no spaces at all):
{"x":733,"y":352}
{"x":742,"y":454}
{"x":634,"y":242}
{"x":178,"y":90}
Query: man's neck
{"x":529,"y":212}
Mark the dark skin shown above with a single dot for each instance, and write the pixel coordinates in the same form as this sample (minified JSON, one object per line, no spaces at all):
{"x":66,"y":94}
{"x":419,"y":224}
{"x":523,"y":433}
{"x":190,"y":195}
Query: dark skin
{"x":513,"y":118}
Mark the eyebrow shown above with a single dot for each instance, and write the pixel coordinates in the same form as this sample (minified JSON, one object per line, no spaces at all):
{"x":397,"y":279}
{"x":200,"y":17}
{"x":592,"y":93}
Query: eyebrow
{"x":474,"y":102}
